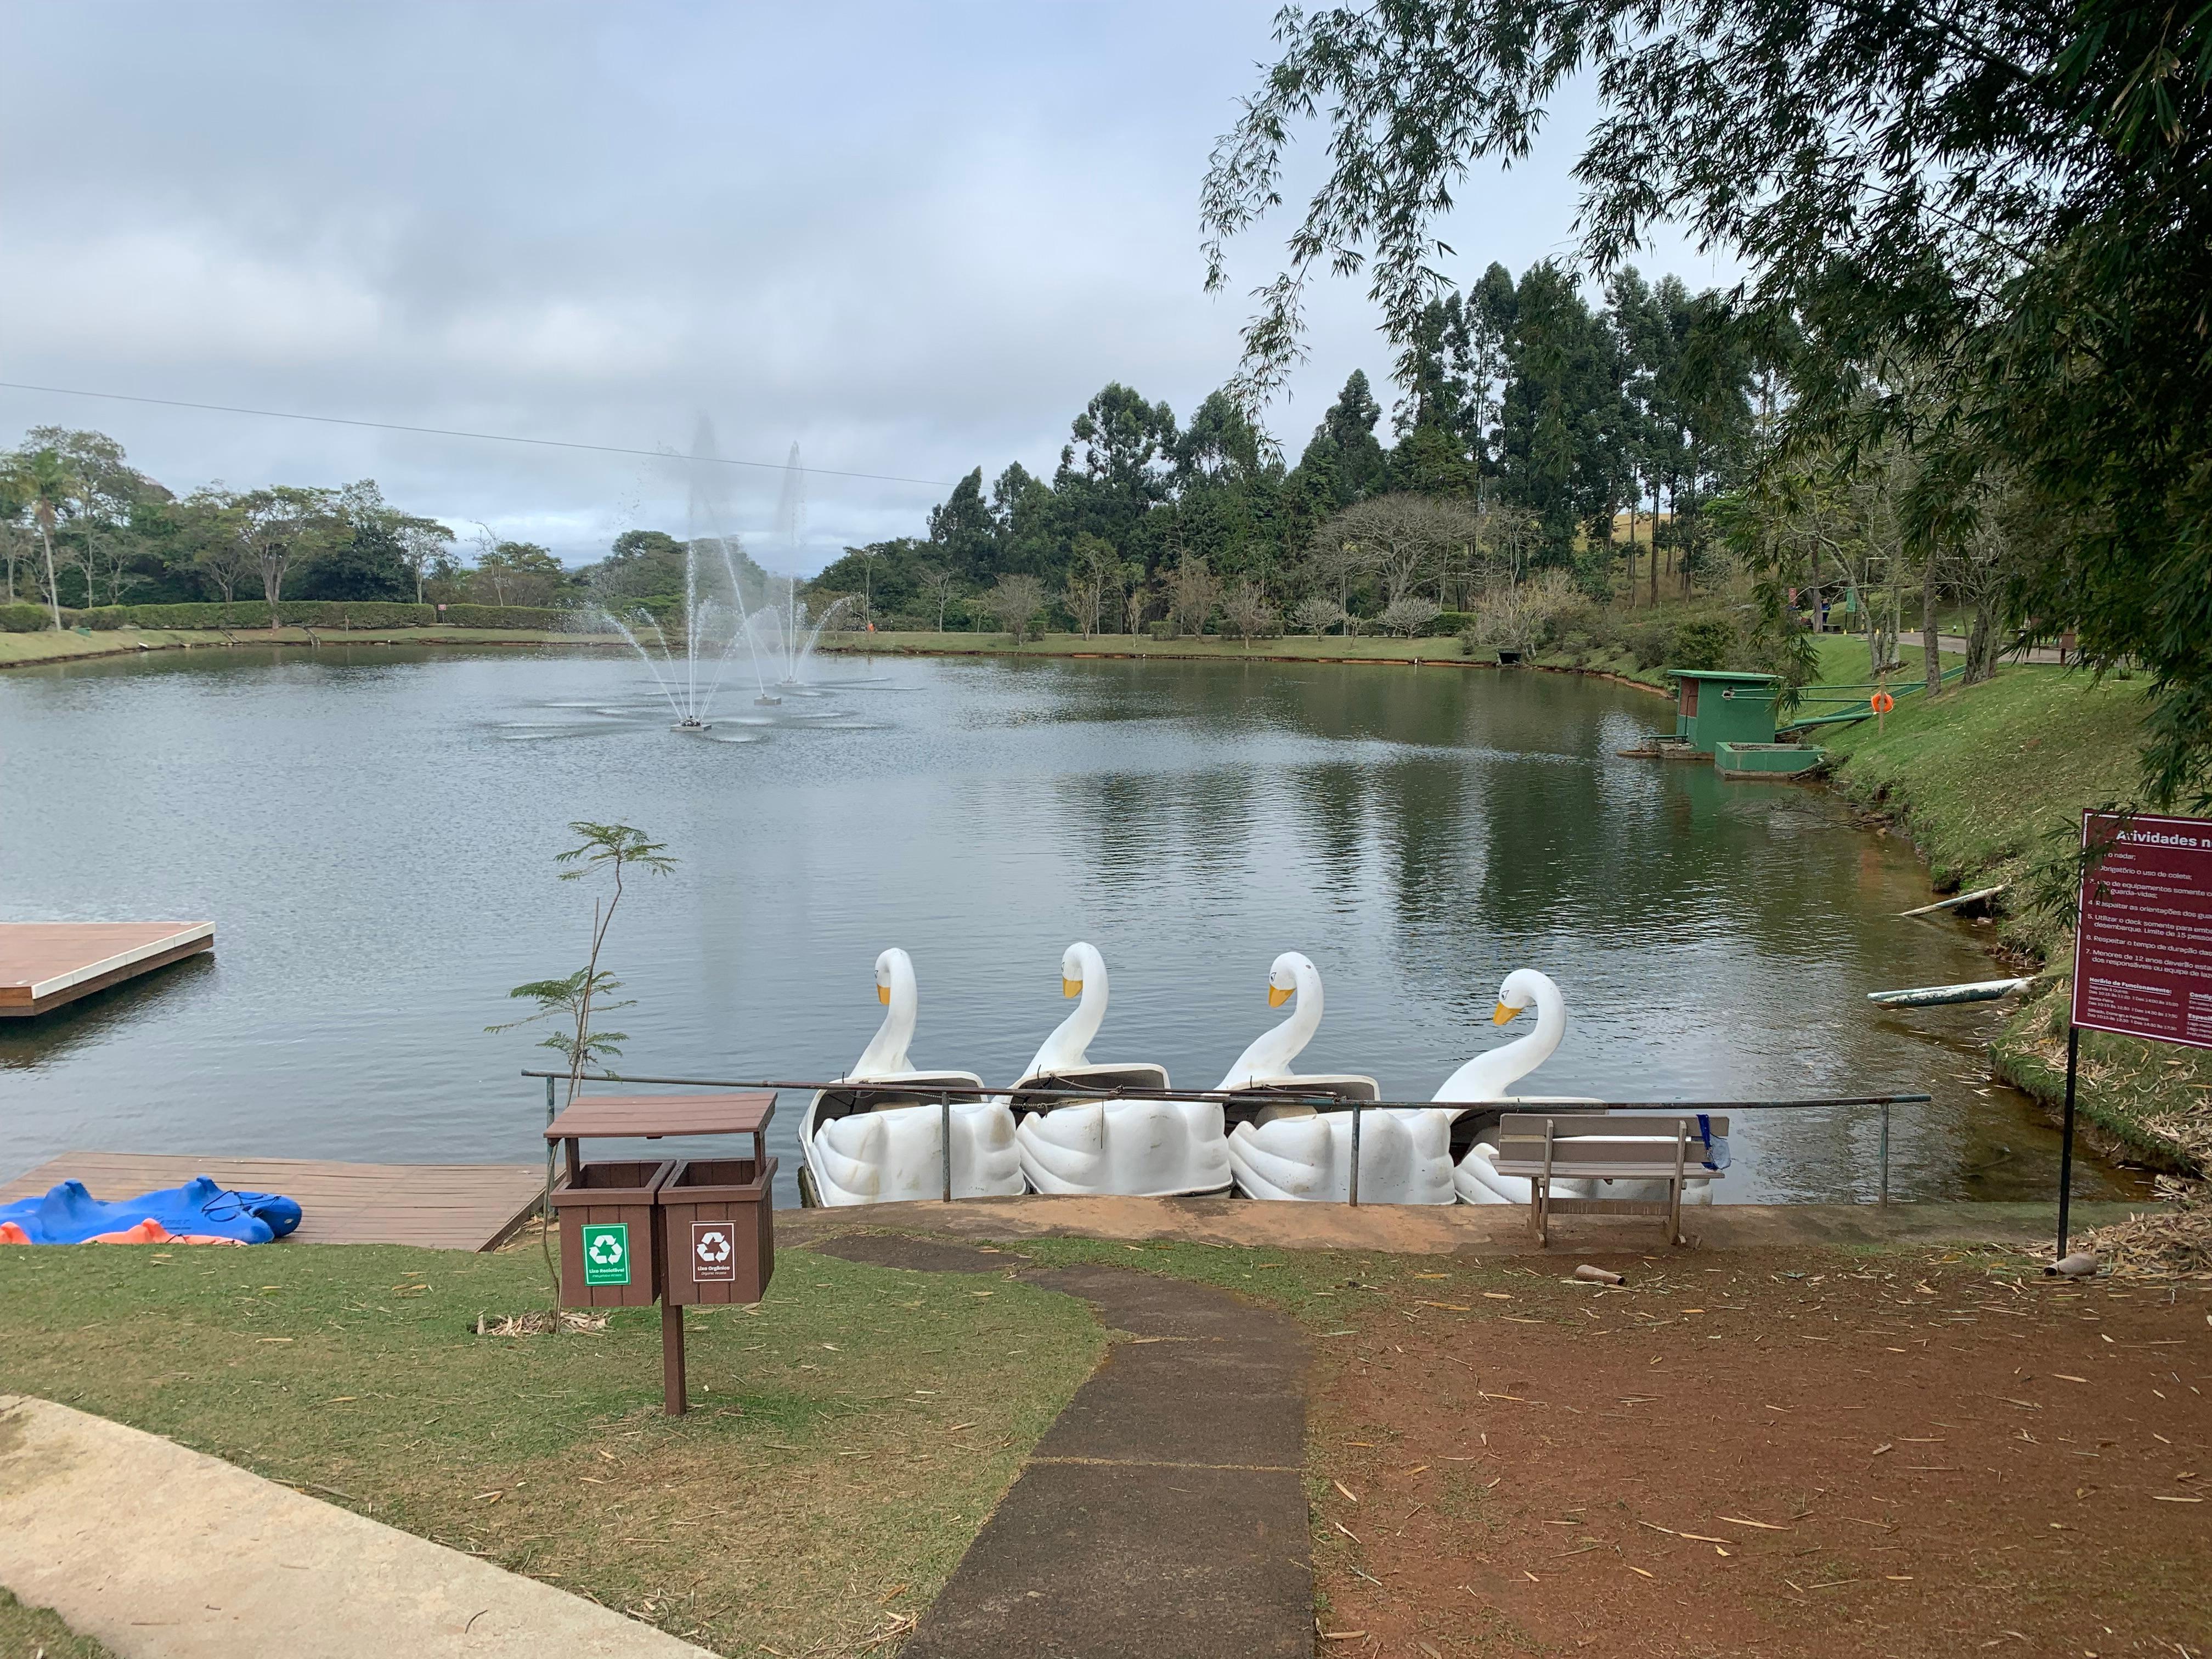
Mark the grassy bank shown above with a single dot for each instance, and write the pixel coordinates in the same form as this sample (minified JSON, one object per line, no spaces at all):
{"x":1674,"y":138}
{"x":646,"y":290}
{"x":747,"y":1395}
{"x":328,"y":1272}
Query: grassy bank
{"x":1990,"y":783}
{"x":1328,"y":647}
{"x":26,"y":650}
{"x":845,"y":1439}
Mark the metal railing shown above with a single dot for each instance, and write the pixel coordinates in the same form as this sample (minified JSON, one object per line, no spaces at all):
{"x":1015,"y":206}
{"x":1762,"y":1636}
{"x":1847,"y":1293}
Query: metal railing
{"x":1284,"y":1094}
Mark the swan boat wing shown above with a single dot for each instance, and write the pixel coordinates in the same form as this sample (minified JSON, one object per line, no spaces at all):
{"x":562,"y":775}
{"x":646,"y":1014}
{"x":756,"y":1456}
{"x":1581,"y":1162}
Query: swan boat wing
{"x":1288,"y":1148}
{"x":881,"y":1141}
{"x":1128,"y":1144}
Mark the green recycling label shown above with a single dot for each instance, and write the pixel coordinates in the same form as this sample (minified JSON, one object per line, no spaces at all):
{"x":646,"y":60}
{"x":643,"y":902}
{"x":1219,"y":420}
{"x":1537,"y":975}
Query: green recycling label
{"x":606,"y":1253}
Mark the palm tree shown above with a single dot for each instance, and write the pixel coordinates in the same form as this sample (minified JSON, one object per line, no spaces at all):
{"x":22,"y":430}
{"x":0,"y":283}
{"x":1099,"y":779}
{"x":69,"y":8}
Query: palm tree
{"x":42,"y":480}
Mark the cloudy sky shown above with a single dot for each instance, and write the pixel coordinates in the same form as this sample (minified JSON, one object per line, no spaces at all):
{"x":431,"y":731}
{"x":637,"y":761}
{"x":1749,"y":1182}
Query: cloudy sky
{"x":912,"y":238}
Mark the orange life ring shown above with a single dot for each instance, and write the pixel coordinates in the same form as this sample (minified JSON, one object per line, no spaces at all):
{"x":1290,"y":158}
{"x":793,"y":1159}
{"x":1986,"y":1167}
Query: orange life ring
{"x":1882,"y":703}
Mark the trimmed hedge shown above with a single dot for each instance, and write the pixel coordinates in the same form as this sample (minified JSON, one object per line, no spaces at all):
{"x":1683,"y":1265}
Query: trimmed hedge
{"x":25,"y":618}
{"x":340,"y":614}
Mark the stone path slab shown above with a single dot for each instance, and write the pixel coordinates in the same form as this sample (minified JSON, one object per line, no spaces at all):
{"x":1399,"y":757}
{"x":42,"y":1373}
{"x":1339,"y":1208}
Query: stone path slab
{"x":160,"y":1553}
{"x":1164,"y":1514}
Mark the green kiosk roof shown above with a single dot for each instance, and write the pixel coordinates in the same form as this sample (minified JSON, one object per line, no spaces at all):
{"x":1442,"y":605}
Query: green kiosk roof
{"x":1740,"y":678}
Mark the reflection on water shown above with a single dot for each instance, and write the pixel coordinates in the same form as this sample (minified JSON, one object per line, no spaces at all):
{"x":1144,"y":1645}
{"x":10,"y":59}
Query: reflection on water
{"x":372,"y":829}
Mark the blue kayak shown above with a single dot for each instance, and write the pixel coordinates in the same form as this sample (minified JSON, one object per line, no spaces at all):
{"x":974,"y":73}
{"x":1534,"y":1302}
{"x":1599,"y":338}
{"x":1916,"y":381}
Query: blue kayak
{"x":68,"y":1214}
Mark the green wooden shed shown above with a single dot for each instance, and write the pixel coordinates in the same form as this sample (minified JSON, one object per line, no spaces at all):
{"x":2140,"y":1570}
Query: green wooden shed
{"x":1717,"y":706}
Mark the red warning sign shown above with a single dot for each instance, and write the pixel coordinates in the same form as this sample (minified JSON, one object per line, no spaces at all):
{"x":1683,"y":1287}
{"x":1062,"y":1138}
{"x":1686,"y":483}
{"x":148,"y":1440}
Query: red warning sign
{"x":2142,"y":955}
{"x":714,"y":1251}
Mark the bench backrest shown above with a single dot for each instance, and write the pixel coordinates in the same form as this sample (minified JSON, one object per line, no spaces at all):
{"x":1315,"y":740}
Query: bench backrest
{"x":1603,"y":1139}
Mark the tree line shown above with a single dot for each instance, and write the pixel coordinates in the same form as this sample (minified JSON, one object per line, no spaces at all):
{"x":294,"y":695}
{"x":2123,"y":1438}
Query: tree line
{"x":1979,"y":242}
{"x":81,"y":528}
{"x":1533,"y":431}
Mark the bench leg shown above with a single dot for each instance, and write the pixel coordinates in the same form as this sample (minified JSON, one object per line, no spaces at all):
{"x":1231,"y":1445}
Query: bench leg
{"x":1674,"y":1212}
{"x":1536,"y":1217}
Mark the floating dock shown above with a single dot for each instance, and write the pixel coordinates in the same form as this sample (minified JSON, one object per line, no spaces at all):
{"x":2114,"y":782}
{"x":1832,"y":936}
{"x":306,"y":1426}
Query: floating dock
{"x":44,"y":965}
{"x":440,"y":1206}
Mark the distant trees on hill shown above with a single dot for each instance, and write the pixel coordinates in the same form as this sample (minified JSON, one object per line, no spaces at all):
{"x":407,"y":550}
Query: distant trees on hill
{"x":1531,"y":430}
{"x":81,"y":528}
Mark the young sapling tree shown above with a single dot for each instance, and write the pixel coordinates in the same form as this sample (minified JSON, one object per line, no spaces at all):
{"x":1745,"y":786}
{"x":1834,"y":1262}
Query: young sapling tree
{"x":574,"y":1000}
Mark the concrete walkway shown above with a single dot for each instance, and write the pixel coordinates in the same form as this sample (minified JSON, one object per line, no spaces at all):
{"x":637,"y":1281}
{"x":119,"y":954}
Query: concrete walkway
{"x":1163,"y":1515}
{"x":1484,"y":1229}
{"x":162,"y":1553}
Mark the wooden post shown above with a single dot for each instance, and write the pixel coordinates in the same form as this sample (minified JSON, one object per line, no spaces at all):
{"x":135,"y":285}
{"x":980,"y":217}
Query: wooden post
{"x":675,"y":1400}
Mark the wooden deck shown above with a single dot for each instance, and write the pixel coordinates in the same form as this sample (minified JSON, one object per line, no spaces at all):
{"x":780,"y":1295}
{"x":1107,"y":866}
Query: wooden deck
{"x":44,"y":965}
{"x":441,"y":1206}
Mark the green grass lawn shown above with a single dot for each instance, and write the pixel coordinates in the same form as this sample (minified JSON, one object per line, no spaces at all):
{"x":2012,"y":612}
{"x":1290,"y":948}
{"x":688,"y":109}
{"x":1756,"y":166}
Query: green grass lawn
{"x":1359,"y":648}
{"x":36,"y":1633}
{"x":844,"y":1441}
{"x":1843,"y":659}
{"x":1990,"y":780}
{"x":21,"y":649}
{"x":1984,"y":775}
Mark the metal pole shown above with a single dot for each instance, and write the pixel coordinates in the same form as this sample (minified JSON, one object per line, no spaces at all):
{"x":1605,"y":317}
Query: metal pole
{"x":548,"y":1150}
{"x":945,"y":1136}
{"x":1355,"y":1151}
{"x":2066,"y":1149}
{"x":1885,"y":1153}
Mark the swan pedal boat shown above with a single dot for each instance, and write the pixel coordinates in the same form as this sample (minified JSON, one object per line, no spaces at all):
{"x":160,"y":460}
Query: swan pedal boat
{"x":875,"y":1136}
{"x":1291,"y":1149}
{"x":1483,"y":1079}
{"x":1127,"y":1146}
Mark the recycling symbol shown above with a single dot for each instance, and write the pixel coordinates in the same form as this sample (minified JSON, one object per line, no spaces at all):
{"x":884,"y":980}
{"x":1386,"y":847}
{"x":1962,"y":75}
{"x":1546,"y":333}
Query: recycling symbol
{"x":713,"y":1247}
{"x":606,"y":1250}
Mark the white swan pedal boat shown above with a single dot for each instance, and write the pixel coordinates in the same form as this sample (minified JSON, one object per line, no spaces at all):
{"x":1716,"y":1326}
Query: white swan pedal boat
{"x":1130,"y":1145}
{"x":1290,"y":1148}
{"x":876,"y":1135}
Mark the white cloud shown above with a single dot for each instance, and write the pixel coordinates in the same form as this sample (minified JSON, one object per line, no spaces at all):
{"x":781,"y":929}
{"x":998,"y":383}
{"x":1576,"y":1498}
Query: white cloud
{"x":916,"y":240}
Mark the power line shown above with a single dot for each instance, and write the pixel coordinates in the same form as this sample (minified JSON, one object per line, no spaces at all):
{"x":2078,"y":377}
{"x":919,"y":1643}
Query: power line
{"x":448,"y":432}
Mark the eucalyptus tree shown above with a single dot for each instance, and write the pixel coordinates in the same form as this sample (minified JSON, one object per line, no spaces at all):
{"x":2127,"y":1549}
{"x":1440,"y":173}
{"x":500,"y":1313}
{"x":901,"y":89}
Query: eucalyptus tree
{"x":213,"y":526}
{"x":279,"y":525}
{"x":2016,"y":195}
{"x":421,"y":543}
{"x":965,"y":531}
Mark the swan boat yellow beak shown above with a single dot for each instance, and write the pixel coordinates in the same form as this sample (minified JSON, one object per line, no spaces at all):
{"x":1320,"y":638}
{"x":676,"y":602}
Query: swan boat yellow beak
{"x":1070,"y":988}
{"x":1504,"y":1016}
{"x":1277,"y":997}
{"x":883,"y":996}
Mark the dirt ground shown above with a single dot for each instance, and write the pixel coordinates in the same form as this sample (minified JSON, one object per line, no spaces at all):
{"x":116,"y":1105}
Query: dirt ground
{"x":1907,"y":1455}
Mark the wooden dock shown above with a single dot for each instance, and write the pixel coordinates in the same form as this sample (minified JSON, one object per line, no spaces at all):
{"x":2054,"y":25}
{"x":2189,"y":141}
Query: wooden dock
{"x":44,"y":965}
{"x":441,"y":1206}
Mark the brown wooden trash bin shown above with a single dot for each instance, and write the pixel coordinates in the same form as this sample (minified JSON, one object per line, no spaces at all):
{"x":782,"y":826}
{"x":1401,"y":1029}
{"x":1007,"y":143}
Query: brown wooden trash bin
{"x":609,"y":1241}
{"x":717,"y":1239}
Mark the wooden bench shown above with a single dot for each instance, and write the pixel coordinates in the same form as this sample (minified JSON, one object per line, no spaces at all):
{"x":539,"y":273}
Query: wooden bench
{"x":1596,"y":1145}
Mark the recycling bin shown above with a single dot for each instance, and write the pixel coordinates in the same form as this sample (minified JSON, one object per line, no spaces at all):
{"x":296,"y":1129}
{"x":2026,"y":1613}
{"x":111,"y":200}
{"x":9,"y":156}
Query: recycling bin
{"x":609,"y":1246}
{"x":718,"y":1231}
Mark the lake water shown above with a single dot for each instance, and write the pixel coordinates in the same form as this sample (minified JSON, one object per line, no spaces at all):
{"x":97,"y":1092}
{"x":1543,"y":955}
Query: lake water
{"x":373,"y":831}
